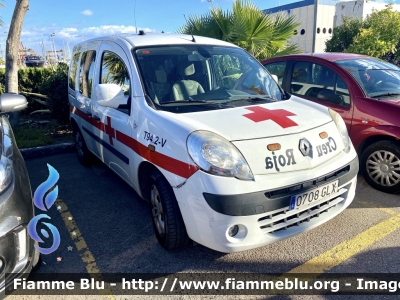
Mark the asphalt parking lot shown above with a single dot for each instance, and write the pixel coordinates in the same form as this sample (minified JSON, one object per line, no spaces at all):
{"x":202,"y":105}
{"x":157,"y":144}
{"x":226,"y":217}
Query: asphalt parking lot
{"x":106,"y":228}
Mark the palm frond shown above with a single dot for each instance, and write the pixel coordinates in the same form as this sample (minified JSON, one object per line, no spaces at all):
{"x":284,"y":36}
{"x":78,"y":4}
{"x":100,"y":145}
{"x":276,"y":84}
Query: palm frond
{"x":246,"y":26}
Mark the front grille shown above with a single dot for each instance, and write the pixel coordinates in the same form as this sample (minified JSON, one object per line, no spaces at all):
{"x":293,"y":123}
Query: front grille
{"x":307,"y":185}
{"x":284,"y":218}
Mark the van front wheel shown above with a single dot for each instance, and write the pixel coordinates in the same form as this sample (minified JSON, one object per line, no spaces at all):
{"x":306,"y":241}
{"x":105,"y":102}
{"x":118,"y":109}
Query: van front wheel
{"x":167,"y":220}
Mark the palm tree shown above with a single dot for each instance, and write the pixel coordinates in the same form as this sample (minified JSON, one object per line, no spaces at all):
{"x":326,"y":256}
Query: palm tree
{"x":248,"y":27}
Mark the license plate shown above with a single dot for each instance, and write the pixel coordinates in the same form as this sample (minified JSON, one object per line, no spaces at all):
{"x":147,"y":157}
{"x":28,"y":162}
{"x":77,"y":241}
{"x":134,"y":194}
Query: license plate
{"x":312,"y":196}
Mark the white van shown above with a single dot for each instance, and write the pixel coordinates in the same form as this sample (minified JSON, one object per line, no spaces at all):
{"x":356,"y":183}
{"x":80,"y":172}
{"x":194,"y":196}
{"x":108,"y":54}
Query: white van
{"x":202,"y":131}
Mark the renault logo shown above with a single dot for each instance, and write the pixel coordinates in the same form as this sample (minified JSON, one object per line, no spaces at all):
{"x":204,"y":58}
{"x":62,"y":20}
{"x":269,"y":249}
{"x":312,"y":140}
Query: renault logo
{"x":304,"y":147}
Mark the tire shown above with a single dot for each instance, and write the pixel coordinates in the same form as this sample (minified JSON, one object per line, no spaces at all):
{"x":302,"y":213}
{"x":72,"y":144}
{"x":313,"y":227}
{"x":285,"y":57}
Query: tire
{"x":380,"y":166}
{"x":84,"y":155}
{"x":168,"y":224}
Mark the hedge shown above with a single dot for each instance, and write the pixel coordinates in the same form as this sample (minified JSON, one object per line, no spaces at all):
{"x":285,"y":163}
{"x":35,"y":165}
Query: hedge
{"x":45,"y":81}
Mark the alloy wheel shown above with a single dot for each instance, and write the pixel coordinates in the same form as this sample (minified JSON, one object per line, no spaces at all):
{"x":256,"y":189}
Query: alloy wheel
{"x":157,"y":210}
{"x":383,"y":167}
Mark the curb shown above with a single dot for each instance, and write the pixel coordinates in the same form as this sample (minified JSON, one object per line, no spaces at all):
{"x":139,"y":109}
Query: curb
{"x":47,"y":150}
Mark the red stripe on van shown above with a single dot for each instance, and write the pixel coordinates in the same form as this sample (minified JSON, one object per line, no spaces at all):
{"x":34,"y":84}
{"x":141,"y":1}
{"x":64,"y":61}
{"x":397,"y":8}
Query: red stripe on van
{"x":163,"y":161}
{"x":99,"y":125}
{"x":168,"y":163}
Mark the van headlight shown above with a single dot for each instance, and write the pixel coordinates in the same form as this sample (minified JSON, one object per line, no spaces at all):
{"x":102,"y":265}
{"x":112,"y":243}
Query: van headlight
{"x":341,"y":126}
{"x":217,"y":156}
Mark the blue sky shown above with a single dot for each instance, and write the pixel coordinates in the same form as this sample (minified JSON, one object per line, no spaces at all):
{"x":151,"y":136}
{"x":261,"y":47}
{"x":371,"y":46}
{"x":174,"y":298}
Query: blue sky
{"x":75,"y":20}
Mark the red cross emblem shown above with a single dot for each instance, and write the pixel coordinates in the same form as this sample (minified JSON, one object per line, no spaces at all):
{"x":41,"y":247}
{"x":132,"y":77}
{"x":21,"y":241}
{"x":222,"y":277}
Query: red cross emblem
{"x":279,"y":116}
{"x":109,"y":130}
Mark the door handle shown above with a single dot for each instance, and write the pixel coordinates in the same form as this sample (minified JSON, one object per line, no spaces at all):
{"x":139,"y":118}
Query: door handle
{"x":96,"y":118}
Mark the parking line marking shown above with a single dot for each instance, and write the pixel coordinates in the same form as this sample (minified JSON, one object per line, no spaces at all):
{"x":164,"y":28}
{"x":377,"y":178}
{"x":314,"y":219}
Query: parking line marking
{"x":80,"y":244}
{"x":349,"y":248}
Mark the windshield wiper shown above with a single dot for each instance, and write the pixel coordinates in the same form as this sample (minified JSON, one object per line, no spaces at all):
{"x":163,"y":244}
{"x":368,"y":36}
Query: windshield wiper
{"x":386,"y":94}
{"x":196,"y":101}
{"x":255,"y":98}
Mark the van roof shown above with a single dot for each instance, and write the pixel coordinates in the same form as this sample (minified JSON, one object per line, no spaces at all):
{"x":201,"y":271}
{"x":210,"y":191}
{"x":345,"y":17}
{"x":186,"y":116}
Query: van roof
{"x":153,"y":39}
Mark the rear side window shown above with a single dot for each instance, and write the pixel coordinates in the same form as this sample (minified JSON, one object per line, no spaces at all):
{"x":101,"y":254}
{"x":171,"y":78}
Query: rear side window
{"x":319,"y":82}
{"x":72,"y":70}
{"x":86,"y":73}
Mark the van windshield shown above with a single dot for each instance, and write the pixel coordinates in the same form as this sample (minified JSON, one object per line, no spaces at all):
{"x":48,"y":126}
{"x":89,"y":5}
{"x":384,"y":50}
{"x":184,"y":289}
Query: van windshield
{"x":186,"y":78}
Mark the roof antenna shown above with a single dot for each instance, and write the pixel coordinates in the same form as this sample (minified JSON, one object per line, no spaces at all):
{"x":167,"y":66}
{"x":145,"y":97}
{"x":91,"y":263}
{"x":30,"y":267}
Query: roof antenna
{"x":134,"y":15}
{"x":190,"y":28}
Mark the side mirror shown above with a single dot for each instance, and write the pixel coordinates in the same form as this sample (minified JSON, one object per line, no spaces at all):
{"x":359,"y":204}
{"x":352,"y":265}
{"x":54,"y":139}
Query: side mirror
{"x":110,"y":95}
{"x":329,"y":96}
{"x":275,"y":78}
{"x":10,"y":102}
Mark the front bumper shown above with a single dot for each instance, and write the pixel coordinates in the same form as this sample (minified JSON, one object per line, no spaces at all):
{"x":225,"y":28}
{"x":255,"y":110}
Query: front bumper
{"x":10,"y":247}
{"x":211,"y":204}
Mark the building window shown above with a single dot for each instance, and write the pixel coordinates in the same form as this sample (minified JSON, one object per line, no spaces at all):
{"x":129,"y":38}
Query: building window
{"x":295,"y":32}
{"x":318,"y":30}
{"x":330,"y":30}
{"x":324,"y":30}
{"x":302,"y":32}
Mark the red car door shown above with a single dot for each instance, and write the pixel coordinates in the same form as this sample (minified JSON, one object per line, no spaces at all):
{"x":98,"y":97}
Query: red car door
{"x":321,"y":84}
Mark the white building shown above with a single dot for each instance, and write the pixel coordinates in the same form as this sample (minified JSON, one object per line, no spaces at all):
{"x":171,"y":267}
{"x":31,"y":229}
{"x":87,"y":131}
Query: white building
{"x":358,"y":9}
{"x":311,"y":36}
{"x":323,"y":11}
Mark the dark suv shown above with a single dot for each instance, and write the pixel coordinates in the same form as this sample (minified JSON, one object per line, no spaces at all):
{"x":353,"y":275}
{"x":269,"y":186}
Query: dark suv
{"x":17,"y":252}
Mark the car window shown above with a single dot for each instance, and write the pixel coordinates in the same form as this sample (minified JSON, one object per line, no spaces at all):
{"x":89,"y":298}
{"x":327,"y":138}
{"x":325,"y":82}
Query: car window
{"x":114,"y":71}
{"x":86,"y":73}
{"x":278,"y":69}
{"x":72,"y":70}
{"x":320,"y":83}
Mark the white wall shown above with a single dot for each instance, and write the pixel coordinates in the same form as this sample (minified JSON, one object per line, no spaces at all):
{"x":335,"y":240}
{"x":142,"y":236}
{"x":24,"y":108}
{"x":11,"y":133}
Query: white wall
{"x":325,"y":19}
{"x":305,"y":16}
{"x":358,"y":9}
{"x":328,"y":16}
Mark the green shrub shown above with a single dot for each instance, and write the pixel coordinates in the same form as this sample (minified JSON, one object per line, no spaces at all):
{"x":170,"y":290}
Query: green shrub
{"x":31,"y":80}
{"x":47,"y":82}
{"x":2,"y":80}
{"x":56,"y":89}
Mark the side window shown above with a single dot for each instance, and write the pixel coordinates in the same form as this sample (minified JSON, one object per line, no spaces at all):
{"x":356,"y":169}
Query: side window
{"x":301,"y":72}
{"x":114,"y":71}
{"x":342,"y":90}
{"x":72,"y":70}
{"x":278,"y":69}
{"x":86,"y":73}
{"x":318,"y":82}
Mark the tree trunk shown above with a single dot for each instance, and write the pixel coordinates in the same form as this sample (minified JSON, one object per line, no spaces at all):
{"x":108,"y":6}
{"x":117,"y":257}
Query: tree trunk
{"x":12,"y":51}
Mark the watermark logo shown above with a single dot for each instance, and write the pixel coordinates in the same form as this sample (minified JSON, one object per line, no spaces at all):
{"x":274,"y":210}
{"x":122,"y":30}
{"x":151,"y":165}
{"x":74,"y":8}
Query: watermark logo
{"x":44,"y":203}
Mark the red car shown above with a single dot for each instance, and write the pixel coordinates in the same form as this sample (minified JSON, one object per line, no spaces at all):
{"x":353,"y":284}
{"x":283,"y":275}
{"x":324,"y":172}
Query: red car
{"x":365,"y":91}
